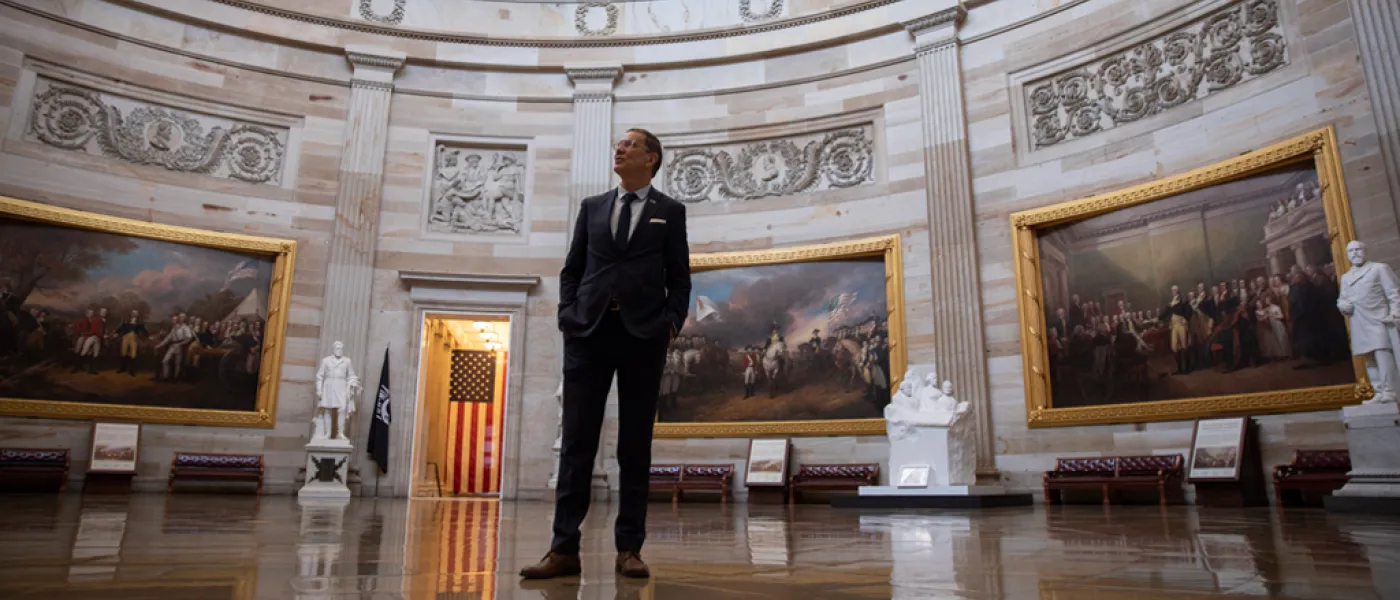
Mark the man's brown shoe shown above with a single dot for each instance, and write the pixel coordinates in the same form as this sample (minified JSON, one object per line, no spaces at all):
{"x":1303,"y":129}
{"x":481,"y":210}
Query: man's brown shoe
{"x":553,"y":565}
{"x":630,"y":564}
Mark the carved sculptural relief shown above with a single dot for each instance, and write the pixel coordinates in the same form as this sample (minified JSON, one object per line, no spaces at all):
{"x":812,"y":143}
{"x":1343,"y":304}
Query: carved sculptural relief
{"x":837,"y":159}
{"x":477,"y":191}
{"x":1218,"y":51}
{"x":76,"y":118}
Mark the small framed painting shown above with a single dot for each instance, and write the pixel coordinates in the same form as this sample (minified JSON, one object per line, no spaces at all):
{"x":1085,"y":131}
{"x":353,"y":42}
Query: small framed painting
{"x":913,"y":476}
{"x":1217,"y":449}
{"x":114,"y":447}
{"x":768,"y":462}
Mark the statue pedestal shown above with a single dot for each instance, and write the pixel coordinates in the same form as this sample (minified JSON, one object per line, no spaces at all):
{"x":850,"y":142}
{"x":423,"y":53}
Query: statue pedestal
{"x":1373,"y":439}
{"x":327,"y":469}
{"x":947,"y":451}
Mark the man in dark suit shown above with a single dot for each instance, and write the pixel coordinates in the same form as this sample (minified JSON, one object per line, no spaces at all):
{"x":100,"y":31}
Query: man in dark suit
{"x":624,"y":294}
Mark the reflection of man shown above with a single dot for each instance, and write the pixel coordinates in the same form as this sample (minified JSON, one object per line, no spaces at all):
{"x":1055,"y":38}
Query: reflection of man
{"x":1178,"y":313}
{"x":1370,"y":295}
{"x":132,"y":332}
{"x":179,"y":337}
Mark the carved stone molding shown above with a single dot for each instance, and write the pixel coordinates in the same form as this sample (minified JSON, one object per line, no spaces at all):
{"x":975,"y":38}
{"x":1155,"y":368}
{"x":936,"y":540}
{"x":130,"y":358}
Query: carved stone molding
{"x":1218,"y":51}
{"x":581,"y":19}
{"x":775,"y":9}
{"x":476,"y":191}
{"x":394,"y":17}
{"x":76,"y":118}
{"x":777,"y":167}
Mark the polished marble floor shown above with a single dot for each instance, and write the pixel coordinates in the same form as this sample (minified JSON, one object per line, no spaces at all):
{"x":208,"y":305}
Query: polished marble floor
{"x":243,"y":547}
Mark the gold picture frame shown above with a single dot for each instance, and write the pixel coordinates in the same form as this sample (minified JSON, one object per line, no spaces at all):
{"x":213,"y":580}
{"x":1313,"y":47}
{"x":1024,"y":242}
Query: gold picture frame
{"x":1318,"y":146}
{"x":885,"y":247}
{"x":283,"y":254}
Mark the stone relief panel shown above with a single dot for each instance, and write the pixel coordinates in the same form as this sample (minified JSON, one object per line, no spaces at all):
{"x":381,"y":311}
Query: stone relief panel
{"x":76,"y":118}
{"x":778,"y":167}
{"x":477,"y":191}
{"x":1216,"y":52}
{"x":393,"y":17}
{"x":596,"y":18}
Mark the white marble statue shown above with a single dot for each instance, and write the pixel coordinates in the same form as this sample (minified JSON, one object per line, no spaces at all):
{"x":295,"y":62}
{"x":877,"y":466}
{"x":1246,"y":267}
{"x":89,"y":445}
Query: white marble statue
{"x":559,"y":430}
{"x":1370,"y":295}
{"x":928,"y":426}
{"x":336,"y":389}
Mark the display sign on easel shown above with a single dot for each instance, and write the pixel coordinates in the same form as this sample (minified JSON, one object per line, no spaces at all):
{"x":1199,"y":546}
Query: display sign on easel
{"x":115,"y":447}
{"x":768,"y":463}
{"x":1217,"y":449}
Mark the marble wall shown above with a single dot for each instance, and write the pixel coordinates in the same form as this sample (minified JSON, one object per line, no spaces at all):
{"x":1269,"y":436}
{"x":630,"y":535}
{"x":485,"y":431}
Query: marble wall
{"x":855,"y":74}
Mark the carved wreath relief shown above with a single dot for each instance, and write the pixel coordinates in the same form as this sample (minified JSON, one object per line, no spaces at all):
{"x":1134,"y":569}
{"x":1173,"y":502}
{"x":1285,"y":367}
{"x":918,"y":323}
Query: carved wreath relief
{"x":837,"y":159}
{"x":394,"y":17}
{"x":477,"y":191}
{"x":1213,"y":53}
{"x":75,"y":118}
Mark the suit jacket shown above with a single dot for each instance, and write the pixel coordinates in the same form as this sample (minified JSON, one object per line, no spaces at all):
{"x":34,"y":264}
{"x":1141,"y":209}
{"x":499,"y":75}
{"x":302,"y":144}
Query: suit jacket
{"x":649,"y":278}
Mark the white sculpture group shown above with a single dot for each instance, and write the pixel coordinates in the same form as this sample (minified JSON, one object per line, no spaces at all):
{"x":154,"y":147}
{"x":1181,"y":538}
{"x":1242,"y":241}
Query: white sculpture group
{"x":1370,"y":295}
{"x":336,"y":389}
{"x":922,"y":404}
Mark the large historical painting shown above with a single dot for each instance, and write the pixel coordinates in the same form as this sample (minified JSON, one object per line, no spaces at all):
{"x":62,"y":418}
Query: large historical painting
{"x":1207,"y":293}
{"x":105,"y":317}
{"x":795,"y":341}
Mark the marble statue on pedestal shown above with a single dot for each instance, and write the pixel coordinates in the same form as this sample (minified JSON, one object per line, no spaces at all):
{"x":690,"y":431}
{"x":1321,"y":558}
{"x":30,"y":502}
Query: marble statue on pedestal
{"x":1370,"y":295}
{"x":558,"y":437}
{"x":336,"y":389}
{"x":928,"y":426}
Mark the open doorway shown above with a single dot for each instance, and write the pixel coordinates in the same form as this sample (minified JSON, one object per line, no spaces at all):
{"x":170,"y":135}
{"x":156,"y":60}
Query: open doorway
{"x":462,"y":393}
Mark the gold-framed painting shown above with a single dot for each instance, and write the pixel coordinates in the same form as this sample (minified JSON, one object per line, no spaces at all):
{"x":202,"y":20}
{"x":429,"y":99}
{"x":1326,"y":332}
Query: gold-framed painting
{"x":1208,"y":293}
{"x":804,"y":341}
{"x":110,"y":318}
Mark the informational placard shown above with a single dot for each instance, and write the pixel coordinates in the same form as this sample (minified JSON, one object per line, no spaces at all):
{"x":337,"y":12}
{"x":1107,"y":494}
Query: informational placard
{"x":767,"y":462}
{"x":913,"y":476}
{"x":114,"y":447}
{"x":1217,"y":447}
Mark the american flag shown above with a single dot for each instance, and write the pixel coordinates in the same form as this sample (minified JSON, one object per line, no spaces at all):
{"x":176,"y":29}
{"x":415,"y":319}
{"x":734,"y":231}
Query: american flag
{"x":473,"y":376}
{"x":244,"y":270}
{"x":839,"y":307}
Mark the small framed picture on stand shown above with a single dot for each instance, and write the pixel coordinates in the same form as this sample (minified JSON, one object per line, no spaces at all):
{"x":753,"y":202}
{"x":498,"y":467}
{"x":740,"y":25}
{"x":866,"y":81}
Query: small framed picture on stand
{"x":116,"y":448}
{"x":766,"y":472}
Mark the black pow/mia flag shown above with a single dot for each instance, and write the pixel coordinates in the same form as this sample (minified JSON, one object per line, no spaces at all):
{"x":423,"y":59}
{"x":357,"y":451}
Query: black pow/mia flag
{"x":379,"y":425}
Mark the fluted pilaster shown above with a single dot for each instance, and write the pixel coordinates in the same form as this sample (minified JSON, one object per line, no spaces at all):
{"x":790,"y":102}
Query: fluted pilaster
{"x":959,"y":346}
{"x":349,"y":276}
{"x":1378,"y":34}
{"x":591,"y":171}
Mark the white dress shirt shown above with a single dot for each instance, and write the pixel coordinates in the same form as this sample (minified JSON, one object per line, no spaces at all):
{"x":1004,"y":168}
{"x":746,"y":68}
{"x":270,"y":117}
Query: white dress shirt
{"x":636,"y":209}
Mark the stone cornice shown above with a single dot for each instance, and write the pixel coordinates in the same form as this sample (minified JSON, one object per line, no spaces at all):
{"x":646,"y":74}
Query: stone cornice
{"x":923,"y":24}
{"x":571,"y":42}
{"x":608,"y":74}
{"x":380,"y":61}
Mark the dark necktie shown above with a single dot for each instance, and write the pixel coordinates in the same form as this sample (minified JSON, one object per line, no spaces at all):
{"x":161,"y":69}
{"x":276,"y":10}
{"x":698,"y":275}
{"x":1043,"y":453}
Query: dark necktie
{"x":624,"y":221}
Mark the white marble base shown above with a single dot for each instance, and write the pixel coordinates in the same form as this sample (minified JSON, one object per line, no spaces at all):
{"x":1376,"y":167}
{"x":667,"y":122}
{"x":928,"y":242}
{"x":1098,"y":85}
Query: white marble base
{"x":949,"y":452}
{"x":1373,"y":438}
{"x":327,"y":469}
{"x":945,"y":490}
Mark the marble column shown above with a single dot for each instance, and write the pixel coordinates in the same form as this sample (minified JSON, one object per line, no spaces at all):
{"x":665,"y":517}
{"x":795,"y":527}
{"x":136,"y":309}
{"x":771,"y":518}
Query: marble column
{"x":349,"y":275}
{"x":1378,"y":35}
{"x":959,"y":346}
{"x":1300,"y":255}
{"x":591,"y":173}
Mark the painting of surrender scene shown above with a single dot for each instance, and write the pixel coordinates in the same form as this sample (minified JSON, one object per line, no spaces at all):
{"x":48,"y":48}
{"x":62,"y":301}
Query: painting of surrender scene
{"x":1229,"y":289}
{"x":805,"y":341}
{"x":98,"y":317}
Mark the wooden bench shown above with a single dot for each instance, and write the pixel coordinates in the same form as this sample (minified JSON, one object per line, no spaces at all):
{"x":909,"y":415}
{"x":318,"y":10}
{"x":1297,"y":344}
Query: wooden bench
{"x":30,"y":469}
{"x":666,"y":478}
{"x":216,"y":467}
{"x":706,"y":477}
{"x":1107,"y":473}
{"x":1312,"y":471}
{"x":832,"y":478}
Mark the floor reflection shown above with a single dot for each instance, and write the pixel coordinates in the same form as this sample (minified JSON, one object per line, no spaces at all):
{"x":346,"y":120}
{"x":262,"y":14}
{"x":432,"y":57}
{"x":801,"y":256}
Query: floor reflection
{"x":242,"y":548}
